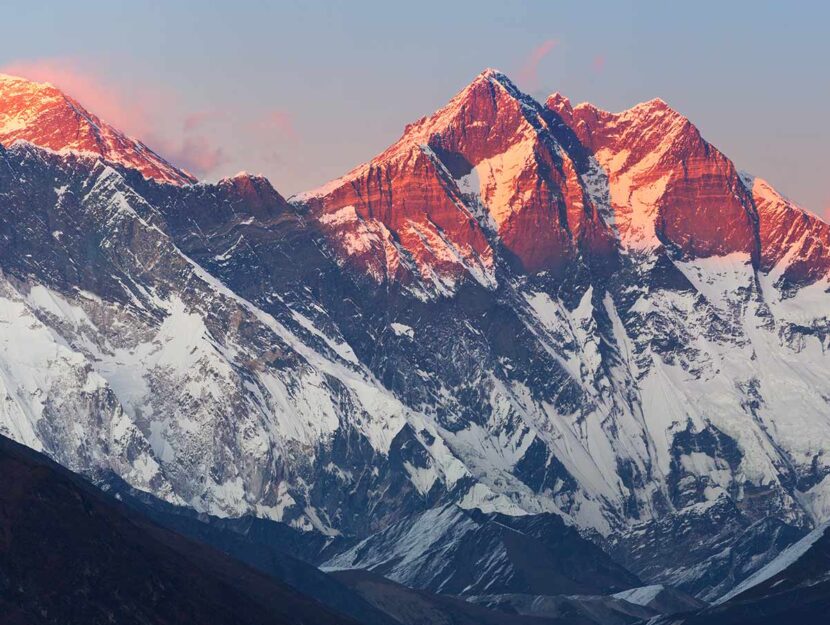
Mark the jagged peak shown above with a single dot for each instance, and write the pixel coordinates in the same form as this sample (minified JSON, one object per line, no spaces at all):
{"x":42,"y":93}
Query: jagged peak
{"x":657,"y":102}
{"x":654,"y":114}
{"x":256,"y":187}
{"x":500,"y":79}
{"x":48,"y":88}
{"x":243,"y":174}
{"x":495,"y":75}
{"x":490,"y":83}
{"x":653,"y":106}
{"x":245,"y":177}
{"x":419,"y":132}
{"x":558,"y":99}
{"x":561,"y":105}
{"x":763,"y":189}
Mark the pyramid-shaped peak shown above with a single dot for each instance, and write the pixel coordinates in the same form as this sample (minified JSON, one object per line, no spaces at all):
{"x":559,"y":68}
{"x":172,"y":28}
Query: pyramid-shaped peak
{"x":654,"y":106}
{"x":41,"y":114}
{"x":491,"y":73}
{"x":497,"y":77}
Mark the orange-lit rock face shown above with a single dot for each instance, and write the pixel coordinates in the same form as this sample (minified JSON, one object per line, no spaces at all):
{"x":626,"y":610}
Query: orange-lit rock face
{"x":666,"y":184}
{"x":483,"y":168}
{"x":794,"y":243}
{"x":409,"y":204}
{"x":42,"y":115}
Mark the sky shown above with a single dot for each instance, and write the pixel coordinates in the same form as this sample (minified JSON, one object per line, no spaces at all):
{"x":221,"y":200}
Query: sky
{"x":304,"y":91}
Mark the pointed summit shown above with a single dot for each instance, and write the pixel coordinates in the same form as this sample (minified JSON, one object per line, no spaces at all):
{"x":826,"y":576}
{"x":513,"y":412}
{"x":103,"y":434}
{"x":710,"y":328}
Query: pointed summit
{"x":560,"y":105}
{"x":485,"y":164}
{"x":494,"y":75}
{"x":654,"y":109}
{"x":43,"y":115}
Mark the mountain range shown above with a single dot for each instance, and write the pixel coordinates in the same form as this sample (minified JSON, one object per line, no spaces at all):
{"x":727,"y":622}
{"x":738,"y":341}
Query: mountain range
{"x":522,"y":323}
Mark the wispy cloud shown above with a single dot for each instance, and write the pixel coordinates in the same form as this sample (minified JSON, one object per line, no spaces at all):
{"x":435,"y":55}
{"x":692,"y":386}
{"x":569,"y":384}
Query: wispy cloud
{"x":199,"y":119}
{"x":83,"y":82}
{"x":528,"y":75}
{"x":199,"y":155}
{"x":599,"y":63}
{"x":152,"y":113}
{"x":278,"y":121}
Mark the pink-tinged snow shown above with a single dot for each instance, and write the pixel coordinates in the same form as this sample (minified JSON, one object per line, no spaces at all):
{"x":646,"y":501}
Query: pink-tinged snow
{"x":636,"y":183}
{"x":42,"y":115}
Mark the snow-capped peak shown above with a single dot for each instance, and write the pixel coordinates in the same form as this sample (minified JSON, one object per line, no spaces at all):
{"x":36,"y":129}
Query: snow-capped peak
{"x":40,"y":113}
{"x":494,"y":75}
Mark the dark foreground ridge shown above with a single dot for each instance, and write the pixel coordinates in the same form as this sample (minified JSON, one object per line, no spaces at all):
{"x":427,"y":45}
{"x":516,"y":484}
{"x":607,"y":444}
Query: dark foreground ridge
{"x":69,"y":555}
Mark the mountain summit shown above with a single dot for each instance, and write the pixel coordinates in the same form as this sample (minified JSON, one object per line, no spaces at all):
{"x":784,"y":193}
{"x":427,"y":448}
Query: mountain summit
{"x":45,"y":116}
{"x":483,"y":172}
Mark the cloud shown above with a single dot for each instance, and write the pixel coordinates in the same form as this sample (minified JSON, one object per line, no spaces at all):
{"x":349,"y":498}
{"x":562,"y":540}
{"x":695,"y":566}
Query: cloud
{"x":599,"y":63}
{"x":279,"y":121}
{"x":199,"y":155}
{"x":152,"y":113}
{"x":132,"y":113}
{"x":198,"y":119}
{"x":529,"y":73}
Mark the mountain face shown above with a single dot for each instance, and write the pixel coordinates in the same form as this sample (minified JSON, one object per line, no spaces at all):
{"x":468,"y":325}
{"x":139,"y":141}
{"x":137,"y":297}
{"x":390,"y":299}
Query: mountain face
{"x":705,"y":551}
{"x":69,"y":554}
{"x":41,"y":114}
{"x":279,"y":551}
{"x":482,"y":178}
{"x":793,"y":586}
{"x":517,"y":308}
{"x":464,"y":552}
{"x":668,"y":187}
{"x":648,"y":368}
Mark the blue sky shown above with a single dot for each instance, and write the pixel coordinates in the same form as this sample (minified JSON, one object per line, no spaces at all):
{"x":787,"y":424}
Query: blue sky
{"x":303,"y":91}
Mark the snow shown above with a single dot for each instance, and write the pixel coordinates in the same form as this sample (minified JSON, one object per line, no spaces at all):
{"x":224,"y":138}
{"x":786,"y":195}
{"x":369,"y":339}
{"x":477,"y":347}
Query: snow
{"x":441,"y":257}
{"x":358,"y":236}
{"x":470,"y":184}
{"x":341,"y":348}
{"x":643,"y":595}
{"x":31,"y":111}
{"x":816,"y":500}
{"x":401,"y":329}
{"x":422,"y":478}
{"x":747,"y":361}
{"x":411,"y":551}
{"x":784,"y":560}
{"x":41,"y":373}
{"x":496,"y":177}
{"x":633,"y":185}
{"x":720,"y":279}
